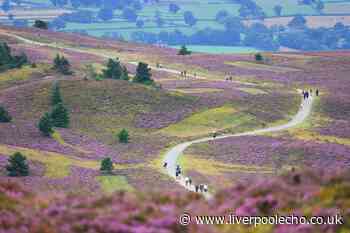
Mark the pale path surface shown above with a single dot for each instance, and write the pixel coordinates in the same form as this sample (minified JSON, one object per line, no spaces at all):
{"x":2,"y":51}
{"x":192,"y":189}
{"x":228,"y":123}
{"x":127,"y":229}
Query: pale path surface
{"x":172,"y":156}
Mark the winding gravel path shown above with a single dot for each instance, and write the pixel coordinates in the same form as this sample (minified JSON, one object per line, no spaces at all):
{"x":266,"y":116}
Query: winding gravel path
{"x":172,"y":156}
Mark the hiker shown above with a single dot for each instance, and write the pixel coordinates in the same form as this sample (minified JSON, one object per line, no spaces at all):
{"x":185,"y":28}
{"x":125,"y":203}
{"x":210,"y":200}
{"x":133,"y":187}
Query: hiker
{"x":205,"y":188}
{"x":317,"y":92}
{"x":165,"y":164}
{"x":186,"y":181}
{"x":196,"y":188}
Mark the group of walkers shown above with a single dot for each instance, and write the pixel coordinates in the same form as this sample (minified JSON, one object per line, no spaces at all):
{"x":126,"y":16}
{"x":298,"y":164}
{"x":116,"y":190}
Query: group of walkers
{"x":188,"y":181}
{"x":307,"y":94}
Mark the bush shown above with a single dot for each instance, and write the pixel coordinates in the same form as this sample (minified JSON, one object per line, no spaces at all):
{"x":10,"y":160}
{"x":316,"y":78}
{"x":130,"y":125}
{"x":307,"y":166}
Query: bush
{"x":143,"y":74}
{"x":45,"y":125}
{"x":184,"y":51}
{"x":123,"y":136}
{"x":60,"y":116}
{"x":106,"y":165}
{"x":18,"y":165}
{"x":4,"y":115}
{"x":62,"y":65}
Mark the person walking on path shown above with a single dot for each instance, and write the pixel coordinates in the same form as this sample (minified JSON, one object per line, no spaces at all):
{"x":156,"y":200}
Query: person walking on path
{"x":317,"y":92}
{"x":196,"y":188}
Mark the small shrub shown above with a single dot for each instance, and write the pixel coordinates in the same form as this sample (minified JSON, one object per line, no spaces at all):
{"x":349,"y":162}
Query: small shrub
{"x":4,"y":115}
{"x":18,"y":165}
{"x":107,"y":165}
{"x":123,"y":136}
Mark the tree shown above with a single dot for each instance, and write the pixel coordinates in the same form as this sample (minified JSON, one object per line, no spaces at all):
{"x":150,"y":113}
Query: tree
{"x":173,"y":8}
{"x":189,"y":18}
{"x":41,"y":24}
{"x":4,"y":115}
{"x":221,"y":16}
{"x":107,"y":165}
{"x":278,"y":10}
{"x":56,"y":95}
{"x":259,"y":57}
{"x":140,"y":23}
{"x":17,"y":165}
{"x":105,"y":14}
{"x":129,"y":14}
{"x":58,"y":23}
{"x":60,"y":116}
{"x":7,"y":61}
{"x":62,"y":65}
{"x":6,"y":6}
{"x":115,"y":70}
{"x":45,"y":125}
{"x":184,"y":51}
{"x":123,"y":136}
{"x":143,"y":74}
{"x":298,"y":22}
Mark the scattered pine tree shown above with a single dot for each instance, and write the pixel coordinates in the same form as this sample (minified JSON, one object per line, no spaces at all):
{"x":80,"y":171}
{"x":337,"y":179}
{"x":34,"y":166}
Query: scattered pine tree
{"x":184,"y":51}
{"x":123,"y":136}
{"x":62,"y":65}
{"x":60,"y":116}
{"x":107,"y":166}
{"x":4,"y":115}
{"x":41,"y":24}
{"x":18,"y":165}
{"x":143,"y":74}
{"x":45,"y":125}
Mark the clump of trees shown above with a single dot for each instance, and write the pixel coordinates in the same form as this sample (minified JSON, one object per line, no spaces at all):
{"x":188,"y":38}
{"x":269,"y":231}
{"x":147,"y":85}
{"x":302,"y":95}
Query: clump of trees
{"x":143,"y":74}
{"x":8,"y":61}
{"x":107,"y":166}
{"x":17,"y":165}
{"x":115,"y":70}
{"x":184,"y":51}
{"x":62,"y":65}
{"x":4,"y":115}
{"x":123,"y":136}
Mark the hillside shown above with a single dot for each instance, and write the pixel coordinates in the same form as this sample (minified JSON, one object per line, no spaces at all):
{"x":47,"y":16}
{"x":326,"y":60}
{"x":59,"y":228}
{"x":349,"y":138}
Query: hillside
{"x":219,"y":109}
